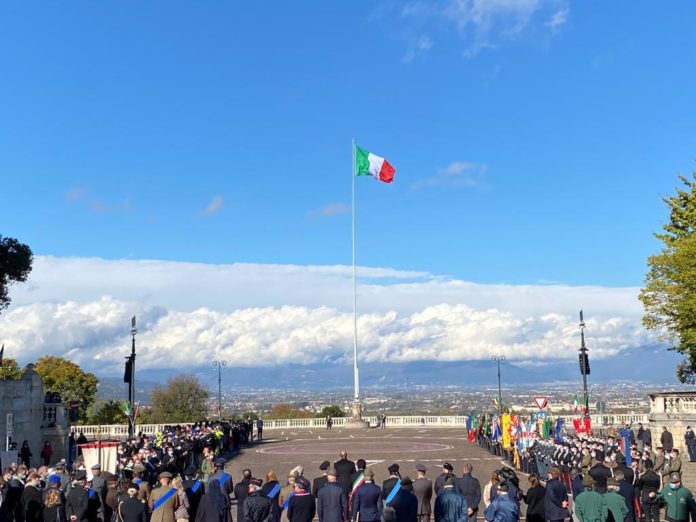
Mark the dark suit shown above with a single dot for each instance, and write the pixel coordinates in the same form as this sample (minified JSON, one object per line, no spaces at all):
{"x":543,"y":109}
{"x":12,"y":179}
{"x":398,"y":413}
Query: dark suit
{"x":332,"y":503}
{"x":318,"y":482}
{"x":77,"y":503}
{"x":367,"y":501}
{"x":440,"y":481}
{"x":667,"y":441}
{"x":600,"y":473}
{"x":423,"y":489}
{"x":241,"y":491}
{"x":344,"y":469}
{"x":470,"y":487}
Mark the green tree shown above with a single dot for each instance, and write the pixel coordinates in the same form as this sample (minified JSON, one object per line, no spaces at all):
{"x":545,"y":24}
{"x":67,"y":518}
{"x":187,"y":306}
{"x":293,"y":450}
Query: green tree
{"x":109,"y":412}
{"x":183,"y":399}
{"x":333,"y":410}
{"x":9,"y":369}
{"x":250,"y":415}
{"x":669,"y":295}
{"x":15,"y":265}
{"x":69,"y":381}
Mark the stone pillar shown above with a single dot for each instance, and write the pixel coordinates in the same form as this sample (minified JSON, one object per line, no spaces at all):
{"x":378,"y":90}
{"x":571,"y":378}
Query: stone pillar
{"x":356,"y":421}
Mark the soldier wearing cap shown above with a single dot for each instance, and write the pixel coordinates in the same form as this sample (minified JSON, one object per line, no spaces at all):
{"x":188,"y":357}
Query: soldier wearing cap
{"x":99,"y":485}
{"x":257,"y":506}
{"x":423,"y":489}
{"x":615,"y":509}
{"x":389,"y":484}
{"x":195,"y":489}
{"x":367,"y":501}
{"x":321,"y":480}
{"x":332,"y":502}
{"x":225,"y":479}
{"x":142,"y":484}
{"x":405,"y":503}
{"x":649,"y":482}
{"x":589,"y":505}
{"x":679,"y":501}
{"x":163,"y":500}
{"x":447,"y":469}
{"x":81,"y":504}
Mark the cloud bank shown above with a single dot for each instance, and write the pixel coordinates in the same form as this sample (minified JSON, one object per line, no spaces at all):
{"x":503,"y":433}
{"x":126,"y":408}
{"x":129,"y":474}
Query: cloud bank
{"x":266,"y":315}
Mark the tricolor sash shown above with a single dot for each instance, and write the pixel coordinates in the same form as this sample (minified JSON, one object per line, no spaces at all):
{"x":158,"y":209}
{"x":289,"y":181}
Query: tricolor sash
{"x":393,"y":492}
{"x":274,"y":491}
{"x":164,"y":498}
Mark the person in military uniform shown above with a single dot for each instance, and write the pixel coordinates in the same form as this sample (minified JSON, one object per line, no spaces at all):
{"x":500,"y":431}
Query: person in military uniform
{"x":423,"y":489}
{"x":82,"y":504}
{"x":131,"y":509}
{"x":322,"y":479}
{"x":225,"y":479}
{"x":394,"y":477}
{"x":589,"y":505}
{"x":163,"y":500}
{"x":99,"y":486}
{"x":195,"y":489}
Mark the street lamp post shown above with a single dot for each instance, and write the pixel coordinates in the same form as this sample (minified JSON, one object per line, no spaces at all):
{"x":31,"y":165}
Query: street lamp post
{"x":219,"y":365}
{"x":498,"y":359}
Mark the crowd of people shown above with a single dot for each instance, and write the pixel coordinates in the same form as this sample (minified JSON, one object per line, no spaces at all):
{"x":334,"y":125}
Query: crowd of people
{"x":179,"y":475}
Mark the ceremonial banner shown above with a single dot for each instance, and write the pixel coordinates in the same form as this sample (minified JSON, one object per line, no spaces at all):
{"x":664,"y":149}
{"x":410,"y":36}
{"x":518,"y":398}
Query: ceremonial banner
{"x":626,"y":445}
{"x":102,"y":453}
{"x":505,"y":427}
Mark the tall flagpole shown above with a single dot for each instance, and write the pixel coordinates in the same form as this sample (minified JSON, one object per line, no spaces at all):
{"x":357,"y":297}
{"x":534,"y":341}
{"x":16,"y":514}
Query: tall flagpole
{"x":355,"y":293}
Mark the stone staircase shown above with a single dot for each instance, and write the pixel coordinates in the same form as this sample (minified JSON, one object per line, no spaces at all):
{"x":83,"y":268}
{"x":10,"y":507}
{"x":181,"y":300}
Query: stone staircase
{"x":689,"y":475}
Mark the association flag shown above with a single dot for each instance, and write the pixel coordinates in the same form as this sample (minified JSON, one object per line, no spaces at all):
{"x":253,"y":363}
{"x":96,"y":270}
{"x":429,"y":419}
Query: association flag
{"x":369,"y":164}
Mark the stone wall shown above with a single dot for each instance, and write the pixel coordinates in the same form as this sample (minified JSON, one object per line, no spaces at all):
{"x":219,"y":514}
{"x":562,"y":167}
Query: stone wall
{"x":675,"y":411}
{"x":33,"y":420}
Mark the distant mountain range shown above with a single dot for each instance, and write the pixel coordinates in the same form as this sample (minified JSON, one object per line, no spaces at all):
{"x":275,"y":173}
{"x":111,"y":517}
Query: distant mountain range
{"x":649,"y":364}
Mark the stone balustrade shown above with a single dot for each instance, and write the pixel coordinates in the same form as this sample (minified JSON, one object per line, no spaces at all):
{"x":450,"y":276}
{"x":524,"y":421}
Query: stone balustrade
{"x":121,"y":430}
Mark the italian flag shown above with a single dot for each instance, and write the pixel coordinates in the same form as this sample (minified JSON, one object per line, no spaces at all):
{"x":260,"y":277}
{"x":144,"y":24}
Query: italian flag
{"x":368,"y":164}
{"x":359,"y":481}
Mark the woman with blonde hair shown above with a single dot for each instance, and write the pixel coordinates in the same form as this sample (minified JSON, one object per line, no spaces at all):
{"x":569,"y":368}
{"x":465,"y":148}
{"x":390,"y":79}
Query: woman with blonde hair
{"x":182,"y":512}
{"x":487,"y":488}
{"x":54,"y":510}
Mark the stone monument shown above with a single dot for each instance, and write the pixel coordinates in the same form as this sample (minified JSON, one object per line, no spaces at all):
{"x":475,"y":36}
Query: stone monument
{"x":356,"y":421}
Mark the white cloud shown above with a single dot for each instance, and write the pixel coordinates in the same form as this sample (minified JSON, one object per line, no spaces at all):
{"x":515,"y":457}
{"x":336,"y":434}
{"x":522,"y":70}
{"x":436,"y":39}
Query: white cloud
{"x":332,"y":209}
{"x":214,"y":206}
{"x":456,"y":174}
{"x":189,"y":313}
{"x":558,"y":19}
{"x":417,"y":47}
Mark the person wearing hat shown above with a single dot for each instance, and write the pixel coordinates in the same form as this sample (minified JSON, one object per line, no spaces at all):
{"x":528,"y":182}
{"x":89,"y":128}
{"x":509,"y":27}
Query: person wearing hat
{"x":301,"y":505}
{"x":225,"y":479}
{"x":130,"y":509}
{"x":679,"y":501}
{"x":322,"y":479}
{"x":284,"y":496}
{"x":405,"y":503}
{"x":615,"y":509}
{"x":367,"y":500}
{"x":589,"y":505}
{"x":163,"y":500}
{"x":423,"y":489}
{"x":195,"y":489}
{"x":447,"y":470}
{"x":599,"y":472}
{"x":389,"y":484}
{"x":332,"y":502}
{"x":78,"y":505}
{"x":502,"y":508}
{"x":649,"y":482}
{"x":241,"y":491}
{"x":450,"y":505}
{"x":111,"y":499}
{"x":142,"y":484}
{"x":257,"y":505}
{"x":99,"y":485}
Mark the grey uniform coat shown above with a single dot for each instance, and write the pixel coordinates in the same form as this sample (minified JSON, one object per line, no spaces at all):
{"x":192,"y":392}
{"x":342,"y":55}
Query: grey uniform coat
{"x":423,"y":489}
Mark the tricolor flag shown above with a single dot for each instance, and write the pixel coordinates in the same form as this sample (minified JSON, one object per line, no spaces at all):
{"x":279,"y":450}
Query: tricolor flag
{"x":359,"y":481}
{"x":368,"y":164}
{"x":576,"y":403}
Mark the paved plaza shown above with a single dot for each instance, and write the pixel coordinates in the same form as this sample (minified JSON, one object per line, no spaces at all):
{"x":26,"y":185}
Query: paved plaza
{"x":282,"y":450}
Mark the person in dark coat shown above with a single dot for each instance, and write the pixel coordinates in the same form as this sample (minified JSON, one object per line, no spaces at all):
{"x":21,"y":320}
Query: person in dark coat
{"x":6,"y":504}
{"x":32,"y":499}
{"x":345,"y":469}
{"x":131,"y":509}
{"x":301,"y":507}
{"x":628,"y":493}
{"x":271,"y":489}
{"x":666,"y":440}
{"x":534,"y":498}
{"x":322,"y":479}
{"x":502,"y":508}
{"x":555,"y":498}
{"x":367,"y":501}
{"x":621,"y":467}
{"x":394,"y":477}
{"x":447,"y":470}
{"x":25,"y":454}
{"x":77,"y":503}
{"x":53,"y":508}
{"x":194,"y":488}
{"x":225,"y":479}
{"x":649,"y":483}
{"x":215,"y":504}
{"x":257,"y":506}
{"x":576,"y":486}
{"x":599,"y":472}
{"x":450,"y":505}
{"x":241,"y":491}
{"x":405,"y":503}
{"x":332,"y":502}
{"x":470,"y":487}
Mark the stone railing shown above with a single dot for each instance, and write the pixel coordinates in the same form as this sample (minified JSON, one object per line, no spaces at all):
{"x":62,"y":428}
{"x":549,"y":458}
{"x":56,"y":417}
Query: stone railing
{"x":121,"y":430}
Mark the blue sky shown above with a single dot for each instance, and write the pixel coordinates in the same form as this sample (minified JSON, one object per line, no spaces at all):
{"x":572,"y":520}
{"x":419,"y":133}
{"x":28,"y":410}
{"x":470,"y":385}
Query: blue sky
{"x":121,"y":122}
{"x":533,"y":140}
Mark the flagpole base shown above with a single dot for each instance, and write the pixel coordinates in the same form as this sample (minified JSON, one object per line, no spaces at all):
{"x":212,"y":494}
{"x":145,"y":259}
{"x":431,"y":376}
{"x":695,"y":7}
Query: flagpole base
{"x":356,"y":421}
